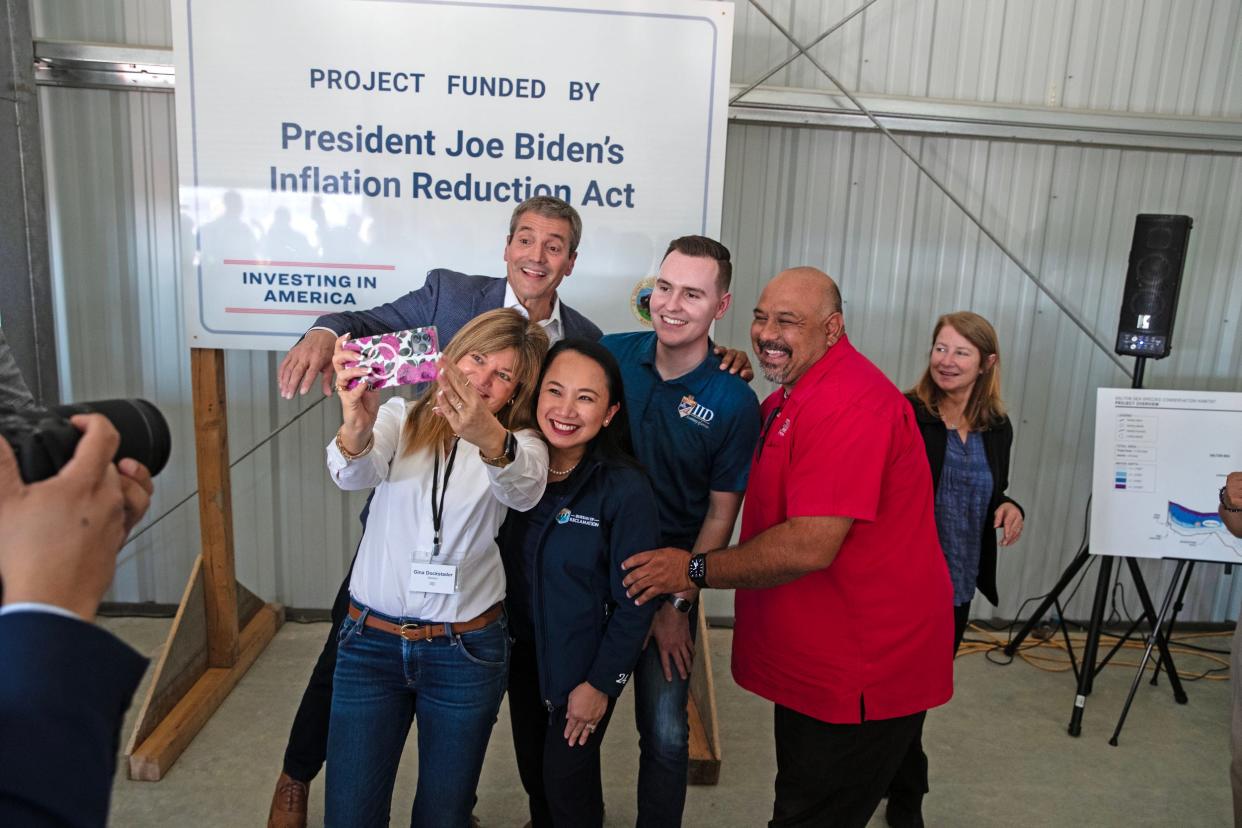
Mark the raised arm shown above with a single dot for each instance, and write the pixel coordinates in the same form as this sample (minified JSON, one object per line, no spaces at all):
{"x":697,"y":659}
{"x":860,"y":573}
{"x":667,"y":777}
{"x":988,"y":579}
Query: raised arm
{"x":359,"y":454}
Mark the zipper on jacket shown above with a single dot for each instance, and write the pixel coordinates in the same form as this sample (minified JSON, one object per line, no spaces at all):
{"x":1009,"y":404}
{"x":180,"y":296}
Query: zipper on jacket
{"x":541,"y":629}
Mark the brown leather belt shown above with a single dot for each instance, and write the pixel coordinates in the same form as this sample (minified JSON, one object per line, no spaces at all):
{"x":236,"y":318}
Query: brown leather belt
{"x":422,"y":632}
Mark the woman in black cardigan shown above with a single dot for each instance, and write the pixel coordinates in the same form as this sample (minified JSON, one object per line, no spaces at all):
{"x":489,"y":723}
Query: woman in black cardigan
{"x":958,"y":406}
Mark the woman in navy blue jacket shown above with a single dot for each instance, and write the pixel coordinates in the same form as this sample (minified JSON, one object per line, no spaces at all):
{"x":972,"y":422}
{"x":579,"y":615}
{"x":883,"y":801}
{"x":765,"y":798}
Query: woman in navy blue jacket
{"x":576,"y":635}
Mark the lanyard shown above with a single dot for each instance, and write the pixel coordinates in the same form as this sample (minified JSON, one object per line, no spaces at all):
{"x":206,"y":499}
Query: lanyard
{"x":437,"y":509}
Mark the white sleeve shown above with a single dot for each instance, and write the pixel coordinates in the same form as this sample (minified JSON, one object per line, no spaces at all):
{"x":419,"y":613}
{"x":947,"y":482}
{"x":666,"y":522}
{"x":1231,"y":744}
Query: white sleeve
{"x":520,"y":484}
{"x":371,"y":468}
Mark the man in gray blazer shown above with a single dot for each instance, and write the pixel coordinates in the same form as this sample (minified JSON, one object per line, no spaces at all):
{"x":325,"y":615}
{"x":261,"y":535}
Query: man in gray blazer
{"x":540,"y":251}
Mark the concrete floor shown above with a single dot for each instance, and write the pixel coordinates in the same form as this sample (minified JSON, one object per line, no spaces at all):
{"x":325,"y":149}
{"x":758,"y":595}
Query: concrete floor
{"x":999,"y":751}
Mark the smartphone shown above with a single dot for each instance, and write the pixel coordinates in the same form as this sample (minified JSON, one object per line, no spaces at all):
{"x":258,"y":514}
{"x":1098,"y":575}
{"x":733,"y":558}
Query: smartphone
{"x":398,"y":358}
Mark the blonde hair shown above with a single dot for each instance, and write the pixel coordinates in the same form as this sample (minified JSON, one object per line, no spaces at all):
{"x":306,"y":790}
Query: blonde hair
{"x":488,"y":333}
{"x":985,"y":408}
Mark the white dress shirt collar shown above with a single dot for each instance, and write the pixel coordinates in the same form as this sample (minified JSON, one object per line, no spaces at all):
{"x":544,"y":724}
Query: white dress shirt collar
{"x":552,"y":326}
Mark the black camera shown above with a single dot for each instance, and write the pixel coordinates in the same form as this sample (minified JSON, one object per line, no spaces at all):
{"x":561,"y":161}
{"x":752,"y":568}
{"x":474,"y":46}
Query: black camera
{"x":44,"y":439}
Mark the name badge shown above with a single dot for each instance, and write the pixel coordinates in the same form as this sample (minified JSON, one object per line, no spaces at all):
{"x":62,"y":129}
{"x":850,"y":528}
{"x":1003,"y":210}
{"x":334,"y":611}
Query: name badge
{"x":430,"y":577}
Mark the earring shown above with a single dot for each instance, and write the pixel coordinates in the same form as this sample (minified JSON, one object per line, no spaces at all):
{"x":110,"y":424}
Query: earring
{"x":606,"y":422}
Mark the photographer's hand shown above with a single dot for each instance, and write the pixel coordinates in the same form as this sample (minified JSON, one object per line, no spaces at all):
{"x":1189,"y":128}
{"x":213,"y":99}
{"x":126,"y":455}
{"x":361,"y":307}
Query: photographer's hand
{"x":61,"y":535}
{"x":136,"y":487}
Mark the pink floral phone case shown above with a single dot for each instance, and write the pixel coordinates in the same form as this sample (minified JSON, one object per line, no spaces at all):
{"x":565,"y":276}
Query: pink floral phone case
{"x":399,"y":358}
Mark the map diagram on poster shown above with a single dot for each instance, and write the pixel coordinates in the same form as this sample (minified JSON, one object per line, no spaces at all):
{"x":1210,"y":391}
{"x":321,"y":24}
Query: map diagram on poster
{"x":1160,"y":460}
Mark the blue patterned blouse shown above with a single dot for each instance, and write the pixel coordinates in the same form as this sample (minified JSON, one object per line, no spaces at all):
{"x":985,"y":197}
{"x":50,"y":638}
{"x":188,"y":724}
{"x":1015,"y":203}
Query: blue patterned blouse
{"x":962,"y":509}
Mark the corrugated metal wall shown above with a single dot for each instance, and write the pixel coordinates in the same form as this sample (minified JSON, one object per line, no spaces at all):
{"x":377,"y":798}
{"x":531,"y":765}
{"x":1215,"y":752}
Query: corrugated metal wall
{"x":1175,"y":57}
{"x":846,"y":201}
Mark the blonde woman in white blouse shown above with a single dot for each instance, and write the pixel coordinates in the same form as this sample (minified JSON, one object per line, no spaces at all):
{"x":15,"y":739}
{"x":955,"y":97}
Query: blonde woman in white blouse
{"x":426,"y":638}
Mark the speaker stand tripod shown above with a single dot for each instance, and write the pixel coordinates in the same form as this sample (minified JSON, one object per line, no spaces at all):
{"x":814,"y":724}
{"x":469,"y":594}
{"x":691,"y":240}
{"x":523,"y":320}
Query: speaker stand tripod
{"x":1155,"y":636}
{"x":1087,"y":671}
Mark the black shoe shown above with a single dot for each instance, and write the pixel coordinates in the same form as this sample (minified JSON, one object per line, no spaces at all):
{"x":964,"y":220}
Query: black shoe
{"x":902,"y":815}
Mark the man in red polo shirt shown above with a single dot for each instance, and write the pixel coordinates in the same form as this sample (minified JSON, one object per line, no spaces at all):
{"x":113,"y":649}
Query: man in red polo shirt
{"x":844,"y":607}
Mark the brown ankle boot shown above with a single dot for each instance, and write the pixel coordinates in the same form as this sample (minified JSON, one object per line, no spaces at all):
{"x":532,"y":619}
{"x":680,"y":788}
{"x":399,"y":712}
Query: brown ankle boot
{"x":288,"y":803}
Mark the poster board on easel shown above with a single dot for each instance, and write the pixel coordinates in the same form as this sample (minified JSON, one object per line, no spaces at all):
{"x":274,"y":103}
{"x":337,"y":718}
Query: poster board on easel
{"x":1161,"y":457}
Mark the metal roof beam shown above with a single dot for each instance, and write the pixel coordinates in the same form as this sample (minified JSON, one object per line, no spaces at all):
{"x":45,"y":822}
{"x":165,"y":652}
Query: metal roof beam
{"x":786,"y":106}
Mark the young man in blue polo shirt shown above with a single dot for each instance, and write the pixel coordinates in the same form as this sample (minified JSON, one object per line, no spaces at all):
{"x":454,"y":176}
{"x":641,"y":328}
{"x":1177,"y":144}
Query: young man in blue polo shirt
{"x":694,"y":428}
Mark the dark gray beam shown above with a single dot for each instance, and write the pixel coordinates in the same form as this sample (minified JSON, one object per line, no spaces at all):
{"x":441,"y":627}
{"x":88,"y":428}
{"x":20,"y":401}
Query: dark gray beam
{"x":25,"y":277}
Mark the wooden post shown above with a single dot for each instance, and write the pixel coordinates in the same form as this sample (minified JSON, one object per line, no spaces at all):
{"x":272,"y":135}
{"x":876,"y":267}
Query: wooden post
{"x":215,"y":504}
{"x":221,"y":627}
{"x":705,"y":753}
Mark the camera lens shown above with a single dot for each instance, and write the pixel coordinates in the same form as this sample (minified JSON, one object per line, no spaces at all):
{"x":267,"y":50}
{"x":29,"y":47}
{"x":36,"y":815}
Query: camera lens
{"x":144,"y":431}
{"x":420,"y":343}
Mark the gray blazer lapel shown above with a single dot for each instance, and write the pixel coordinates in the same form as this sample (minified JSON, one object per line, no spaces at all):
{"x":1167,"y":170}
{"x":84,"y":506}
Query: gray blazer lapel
{"x":492,"y":296}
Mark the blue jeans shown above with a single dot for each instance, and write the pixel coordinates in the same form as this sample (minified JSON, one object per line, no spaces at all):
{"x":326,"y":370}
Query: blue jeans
{"x":452,"y":686}
{"x":663,"y":738}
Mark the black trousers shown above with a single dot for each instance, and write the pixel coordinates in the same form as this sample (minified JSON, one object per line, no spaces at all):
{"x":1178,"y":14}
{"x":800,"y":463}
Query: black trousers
{"x":562,"y":783}
{"x":308,"y":738}
{"x":905,"y":794}
{"x":834,"y":775}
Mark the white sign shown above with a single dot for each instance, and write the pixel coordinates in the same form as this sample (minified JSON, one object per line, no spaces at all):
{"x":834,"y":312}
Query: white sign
{"x":334,"y":151}
{"x":1160,"y":460}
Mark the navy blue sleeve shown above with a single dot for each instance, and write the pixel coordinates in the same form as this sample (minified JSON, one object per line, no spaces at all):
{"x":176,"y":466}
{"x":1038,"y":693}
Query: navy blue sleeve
{"x":633,"y":527}
{"x":731,"y":465}
{"x":64,"y":690}
{"x":417,"y":309}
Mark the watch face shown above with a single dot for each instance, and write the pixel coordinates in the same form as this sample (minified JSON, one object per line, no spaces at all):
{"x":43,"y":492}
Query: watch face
{"x":698,"y":568}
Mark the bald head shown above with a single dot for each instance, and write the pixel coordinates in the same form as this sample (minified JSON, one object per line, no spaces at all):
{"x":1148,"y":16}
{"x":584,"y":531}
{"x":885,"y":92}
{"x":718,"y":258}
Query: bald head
{"x":811,"y":282}
{"x":798,"y":318}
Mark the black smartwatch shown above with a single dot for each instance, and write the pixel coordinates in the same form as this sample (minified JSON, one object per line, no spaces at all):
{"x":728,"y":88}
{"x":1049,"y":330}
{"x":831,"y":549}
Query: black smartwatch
{"x":681,"y":604}
{"x":698,"y":570}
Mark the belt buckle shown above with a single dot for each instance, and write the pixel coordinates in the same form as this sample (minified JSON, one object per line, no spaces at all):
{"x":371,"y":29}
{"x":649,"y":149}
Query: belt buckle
{"x":401,"y":631}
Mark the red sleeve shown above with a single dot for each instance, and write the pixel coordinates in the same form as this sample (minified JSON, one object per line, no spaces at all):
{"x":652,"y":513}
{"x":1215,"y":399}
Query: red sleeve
{"x":837,"y":465}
